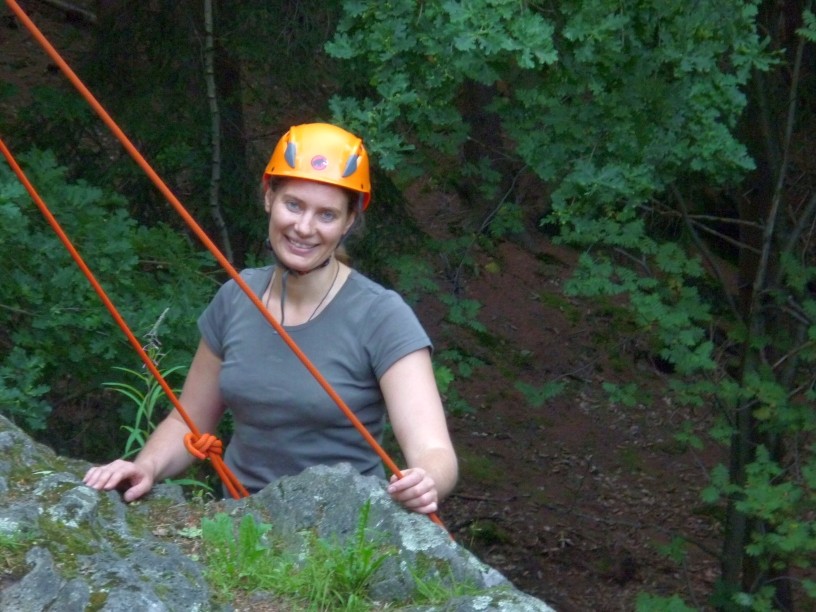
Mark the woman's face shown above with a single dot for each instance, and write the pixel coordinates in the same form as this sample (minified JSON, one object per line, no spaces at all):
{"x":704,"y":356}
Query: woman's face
{"x":307,"y":221}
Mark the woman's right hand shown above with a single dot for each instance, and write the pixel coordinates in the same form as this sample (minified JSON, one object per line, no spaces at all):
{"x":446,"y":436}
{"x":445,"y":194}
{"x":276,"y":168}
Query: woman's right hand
{"x":133,"y":479}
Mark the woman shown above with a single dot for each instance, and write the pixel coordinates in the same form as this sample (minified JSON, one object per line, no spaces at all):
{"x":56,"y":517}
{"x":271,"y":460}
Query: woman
{"x":363,"y":338}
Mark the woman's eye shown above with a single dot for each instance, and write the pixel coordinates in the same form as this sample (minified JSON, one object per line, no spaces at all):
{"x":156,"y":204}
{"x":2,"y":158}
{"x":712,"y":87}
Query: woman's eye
{"x":328,"y":215}
{"x":291,"y":205}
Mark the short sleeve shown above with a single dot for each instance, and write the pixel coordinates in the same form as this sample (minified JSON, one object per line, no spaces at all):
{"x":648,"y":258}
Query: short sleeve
{"x":392,"y":331}
{"x":229,"y":302}
{"x":212,"y":320}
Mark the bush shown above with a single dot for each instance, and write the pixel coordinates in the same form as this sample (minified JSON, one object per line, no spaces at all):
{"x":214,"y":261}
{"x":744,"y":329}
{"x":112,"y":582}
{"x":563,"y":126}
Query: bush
{"x":57,"y":338}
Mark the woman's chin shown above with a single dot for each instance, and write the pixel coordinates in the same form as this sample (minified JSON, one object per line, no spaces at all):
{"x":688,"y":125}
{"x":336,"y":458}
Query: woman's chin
{"x":300,"y":264}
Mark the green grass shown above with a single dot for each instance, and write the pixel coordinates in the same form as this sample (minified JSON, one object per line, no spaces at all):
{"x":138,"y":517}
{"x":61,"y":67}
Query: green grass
{"x":631,"y":460}
{"x":325,"y":576}
{"x":488,"y":532}
{"x":330,"y":576}
{"x":13,"y":548}
{"x":478,"y":468}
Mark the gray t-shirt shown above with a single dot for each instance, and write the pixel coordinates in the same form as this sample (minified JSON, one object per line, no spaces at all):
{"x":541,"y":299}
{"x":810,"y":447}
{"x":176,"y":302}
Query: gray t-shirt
{"x":284,"y":421}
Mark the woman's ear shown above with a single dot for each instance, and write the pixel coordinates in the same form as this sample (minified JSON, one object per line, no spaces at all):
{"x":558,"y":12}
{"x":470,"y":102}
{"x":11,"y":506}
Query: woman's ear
{"x":268,"y":197}
{"x":350,"y":222}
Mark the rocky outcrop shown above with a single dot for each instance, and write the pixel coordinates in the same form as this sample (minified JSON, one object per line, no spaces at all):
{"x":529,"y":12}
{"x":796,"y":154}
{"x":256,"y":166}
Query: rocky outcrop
{"x":66,"y":547}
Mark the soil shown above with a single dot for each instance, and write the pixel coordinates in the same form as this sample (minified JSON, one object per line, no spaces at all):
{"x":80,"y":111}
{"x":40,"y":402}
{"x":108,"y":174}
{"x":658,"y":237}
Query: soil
{"x":573,"y":498}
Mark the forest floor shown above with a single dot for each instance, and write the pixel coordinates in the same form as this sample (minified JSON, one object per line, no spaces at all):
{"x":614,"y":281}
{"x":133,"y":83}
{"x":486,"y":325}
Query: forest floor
{"x":573,"y":499}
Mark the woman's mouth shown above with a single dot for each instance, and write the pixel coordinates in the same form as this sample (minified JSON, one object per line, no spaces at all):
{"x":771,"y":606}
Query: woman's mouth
{"x":298,"y":246}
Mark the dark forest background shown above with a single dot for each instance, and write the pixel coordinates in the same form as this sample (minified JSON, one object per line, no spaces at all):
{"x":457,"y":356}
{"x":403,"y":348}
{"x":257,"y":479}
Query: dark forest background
{"x":667,"y":144}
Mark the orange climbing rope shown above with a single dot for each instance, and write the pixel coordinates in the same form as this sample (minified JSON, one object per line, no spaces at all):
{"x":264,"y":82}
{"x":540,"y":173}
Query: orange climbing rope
{"x":196,"y":444}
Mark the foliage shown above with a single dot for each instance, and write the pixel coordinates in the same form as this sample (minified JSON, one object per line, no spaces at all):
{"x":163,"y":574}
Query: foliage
{"x":440,"y":589}
{"x":415,"y":277}
{"x":629,"y":114}
{"x":452,"y":364}
{"x":13,"y":548}
{"x":626,"y":114}
{"x":655,"y":603}
{"x":145,"y":399}
{"x":58,"y":336}
{"x":171,"y":42}
{"x":270,"y":73}
{"x":330,"y":577}
{"x":536,"y":396}
{"x":415,"y":58}
{"x":22,"y":389}
{"x":577,"y":79}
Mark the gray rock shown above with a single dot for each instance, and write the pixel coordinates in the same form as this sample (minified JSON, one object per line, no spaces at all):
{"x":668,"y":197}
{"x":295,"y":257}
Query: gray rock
{"x":38,"y":589}
{"x":85,"y":549}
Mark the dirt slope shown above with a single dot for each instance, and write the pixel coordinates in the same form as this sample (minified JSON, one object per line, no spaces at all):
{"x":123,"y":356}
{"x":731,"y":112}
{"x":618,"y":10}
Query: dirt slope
{"x":572,"y":499}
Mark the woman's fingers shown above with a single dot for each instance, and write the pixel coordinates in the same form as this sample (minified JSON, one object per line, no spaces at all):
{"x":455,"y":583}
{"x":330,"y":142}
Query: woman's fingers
{"x":108,"y":476}
{"x":119,"y":474}
{"x":416,"y":491}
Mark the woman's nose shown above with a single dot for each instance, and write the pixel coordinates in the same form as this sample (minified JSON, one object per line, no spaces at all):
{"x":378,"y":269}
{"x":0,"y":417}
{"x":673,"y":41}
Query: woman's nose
{"x":304,"y":224}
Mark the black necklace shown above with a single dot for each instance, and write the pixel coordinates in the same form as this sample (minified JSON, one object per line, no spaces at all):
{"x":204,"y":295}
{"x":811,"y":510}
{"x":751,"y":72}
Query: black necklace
{"x":283,"y":291}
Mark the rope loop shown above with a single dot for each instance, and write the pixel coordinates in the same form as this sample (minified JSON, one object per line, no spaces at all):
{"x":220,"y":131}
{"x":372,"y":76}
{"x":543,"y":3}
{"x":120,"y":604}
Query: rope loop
{"x":203,"y":446}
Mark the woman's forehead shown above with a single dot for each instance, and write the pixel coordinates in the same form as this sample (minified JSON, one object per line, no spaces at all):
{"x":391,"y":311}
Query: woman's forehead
{"x":310,"y":188}
{"x":311,"y":192}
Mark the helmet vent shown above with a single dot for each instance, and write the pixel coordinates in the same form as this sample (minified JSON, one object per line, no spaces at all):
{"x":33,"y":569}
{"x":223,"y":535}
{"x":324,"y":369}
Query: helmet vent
{"x":289,"y":155}
{"x":351,"y":166}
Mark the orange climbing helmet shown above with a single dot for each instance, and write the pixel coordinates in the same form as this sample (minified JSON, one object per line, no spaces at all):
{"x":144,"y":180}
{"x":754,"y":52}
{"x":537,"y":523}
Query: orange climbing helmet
{"x":324,"y":153}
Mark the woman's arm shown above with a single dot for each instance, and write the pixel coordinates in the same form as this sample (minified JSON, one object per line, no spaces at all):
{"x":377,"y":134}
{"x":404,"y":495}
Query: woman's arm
{"x":164,"y":455}
{"x":418,"y":418}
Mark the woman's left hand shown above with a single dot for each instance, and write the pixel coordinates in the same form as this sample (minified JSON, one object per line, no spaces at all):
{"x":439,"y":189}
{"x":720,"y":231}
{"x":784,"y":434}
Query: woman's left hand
{"x":416,"y":490}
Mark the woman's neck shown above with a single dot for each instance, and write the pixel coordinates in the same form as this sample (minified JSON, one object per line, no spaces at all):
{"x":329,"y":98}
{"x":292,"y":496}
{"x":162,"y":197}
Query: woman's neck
{"x":295,"y":299}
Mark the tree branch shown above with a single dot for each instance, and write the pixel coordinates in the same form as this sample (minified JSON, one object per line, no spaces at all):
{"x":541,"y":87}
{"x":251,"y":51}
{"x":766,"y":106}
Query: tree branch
{"x":72,"y":9}
{"x":669,"y":212}
{"x":799,"y":228}
{"x":776,"y":201}
{"x":703,"y":248}
{"x":694,"y":219}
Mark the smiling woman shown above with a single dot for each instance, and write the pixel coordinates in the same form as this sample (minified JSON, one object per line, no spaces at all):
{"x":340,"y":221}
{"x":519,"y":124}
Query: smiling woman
{"x":307,"y":222}
{"x":364,"y":339}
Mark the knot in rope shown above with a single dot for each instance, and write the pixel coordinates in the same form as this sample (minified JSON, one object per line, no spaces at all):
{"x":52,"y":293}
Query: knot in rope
{"x":206,"y":445}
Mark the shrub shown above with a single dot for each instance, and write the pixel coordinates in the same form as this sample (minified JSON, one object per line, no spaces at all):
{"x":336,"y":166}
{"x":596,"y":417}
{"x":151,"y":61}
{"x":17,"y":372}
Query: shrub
{"x":58,"y":340}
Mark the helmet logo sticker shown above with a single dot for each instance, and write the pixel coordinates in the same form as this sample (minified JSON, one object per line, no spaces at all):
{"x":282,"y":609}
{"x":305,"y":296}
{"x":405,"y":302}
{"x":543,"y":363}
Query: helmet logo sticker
{"x":319,"y":162}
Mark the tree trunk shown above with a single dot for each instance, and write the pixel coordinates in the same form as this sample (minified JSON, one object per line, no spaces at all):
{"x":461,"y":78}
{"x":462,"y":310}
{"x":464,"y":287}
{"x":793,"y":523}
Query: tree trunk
{"x":760,"y":277}
{"x":215,"y":132}
{"x":485,"y":144}
{"x":239,"y":184}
